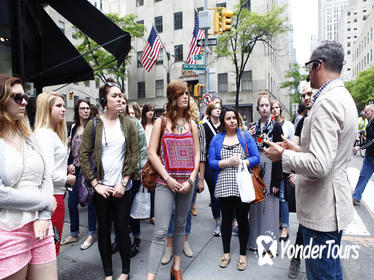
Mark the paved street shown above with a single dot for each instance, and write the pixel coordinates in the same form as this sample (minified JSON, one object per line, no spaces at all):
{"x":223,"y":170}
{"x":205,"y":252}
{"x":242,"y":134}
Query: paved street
{"x":76,"y":264}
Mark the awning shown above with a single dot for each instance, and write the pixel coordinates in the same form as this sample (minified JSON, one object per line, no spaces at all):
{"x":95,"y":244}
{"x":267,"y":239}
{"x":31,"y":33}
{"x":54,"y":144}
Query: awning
{"x":41,"y":52}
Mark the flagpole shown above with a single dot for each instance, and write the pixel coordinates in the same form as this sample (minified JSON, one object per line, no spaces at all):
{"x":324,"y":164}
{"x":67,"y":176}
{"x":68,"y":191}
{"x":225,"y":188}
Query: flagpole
{"x":167,"y":55}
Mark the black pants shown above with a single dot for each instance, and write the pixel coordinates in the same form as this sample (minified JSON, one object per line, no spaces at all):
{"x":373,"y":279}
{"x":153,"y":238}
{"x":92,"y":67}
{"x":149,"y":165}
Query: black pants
{"x":210,"y":178}
{"x":118,"y":210}
{"x":134,"y":223}
{"x":299,"y":241}
{"x":228,"y":204}
{"x":152,"y":204}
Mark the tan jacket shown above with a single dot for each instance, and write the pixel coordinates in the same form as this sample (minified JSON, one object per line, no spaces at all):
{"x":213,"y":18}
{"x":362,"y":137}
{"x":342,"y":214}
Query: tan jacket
{"x":323,"y":195}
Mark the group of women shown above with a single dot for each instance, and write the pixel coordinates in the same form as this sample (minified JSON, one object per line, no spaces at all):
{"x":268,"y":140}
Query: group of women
{"x":109,"y":151}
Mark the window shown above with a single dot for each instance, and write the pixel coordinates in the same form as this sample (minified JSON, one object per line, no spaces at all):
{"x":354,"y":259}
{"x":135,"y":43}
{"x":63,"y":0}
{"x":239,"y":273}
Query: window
{"x":141,"y":89}
{"x":348,"y":29}
{"x":138,"y":55}
{"x":76,"y":98}
{"x":178,"y":20}
{"x":355,"y":20}
{"x":158,"y":0}
{"x":159,"y":88}
{"x":348,"y":13}
{"x":348,"y":52}
{"x":348,"y":37}
{"x":61,"y":25}
{"x":247,"y":80}
{"x":160,"y":59}
{"x":348,"y":69}
{"x":178,"y":52}
{"x":158,"y":24}
{"x":223,"y":5}
{"x":371,"y":55}
{"x":348,"y":44}
{"x":364,"y":11}
{"x":364,"y":17}
{"x":200,"y":9}
{"x":222,"y":82}
{"x":139,"y":3}
{"x":355,"y":28}
{"x":86,"y":83}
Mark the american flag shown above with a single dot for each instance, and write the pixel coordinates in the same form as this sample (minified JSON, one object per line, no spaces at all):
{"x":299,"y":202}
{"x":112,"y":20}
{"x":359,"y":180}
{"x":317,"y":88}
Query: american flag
{"x":151,"y":50}
{"x":197,"y":35}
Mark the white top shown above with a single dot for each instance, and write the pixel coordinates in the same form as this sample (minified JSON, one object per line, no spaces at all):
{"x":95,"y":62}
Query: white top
{"x":11,"y":219}
{"x":288,"y":129}
{"x":112,"y":153}
{"x":148,"y":131}
{"x":55,"y":154}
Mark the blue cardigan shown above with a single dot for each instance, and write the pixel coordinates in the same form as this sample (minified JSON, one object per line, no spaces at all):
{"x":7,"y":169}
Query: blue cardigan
{"x":216,"y":146}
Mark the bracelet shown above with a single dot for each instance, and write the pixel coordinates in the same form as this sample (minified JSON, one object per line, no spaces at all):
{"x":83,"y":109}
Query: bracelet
{"x":190,"y":182}
{"x":95,"y":184}
{"x":167,"y":179}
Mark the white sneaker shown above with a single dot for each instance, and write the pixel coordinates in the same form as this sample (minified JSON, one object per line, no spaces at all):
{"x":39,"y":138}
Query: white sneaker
{"x":187,"y":250}
{"x":167,"y":255}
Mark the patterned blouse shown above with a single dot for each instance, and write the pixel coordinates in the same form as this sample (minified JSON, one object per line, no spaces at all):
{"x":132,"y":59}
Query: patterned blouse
{"x":226,"y":182}
{"x":177,"y":155}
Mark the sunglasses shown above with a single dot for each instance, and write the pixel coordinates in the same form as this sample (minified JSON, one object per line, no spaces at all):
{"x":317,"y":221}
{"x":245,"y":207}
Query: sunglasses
{"x":18,"y":97}
{"x":318,"y":60}
{"x":110,"y":84}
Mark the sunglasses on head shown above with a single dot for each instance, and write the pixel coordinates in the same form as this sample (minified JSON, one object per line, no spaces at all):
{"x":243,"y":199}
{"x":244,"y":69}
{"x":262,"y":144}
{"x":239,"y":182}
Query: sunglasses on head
{"x":18,"y":97}
{"x":111,"y":84}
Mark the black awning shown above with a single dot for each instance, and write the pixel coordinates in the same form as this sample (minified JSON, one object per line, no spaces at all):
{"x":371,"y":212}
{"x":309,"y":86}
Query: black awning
{"x":95,"y":24}
{"x":41,"y":52}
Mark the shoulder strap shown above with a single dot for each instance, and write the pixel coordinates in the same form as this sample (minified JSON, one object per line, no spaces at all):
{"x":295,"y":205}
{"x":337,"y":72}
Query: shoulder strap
{"x":211,"y":127}
{"x":246,"y":147}
{"x":94,"y":130}
{"x":163,"y":125}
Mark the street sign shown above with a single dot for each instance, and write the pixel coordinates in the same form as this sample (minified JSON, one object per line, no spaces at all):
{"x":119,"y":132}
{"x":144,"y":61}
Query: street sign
{"x":207,"y":98}
{"x":194,"y":67}
{"x":211,"y":42}
{"x":198,"y":57}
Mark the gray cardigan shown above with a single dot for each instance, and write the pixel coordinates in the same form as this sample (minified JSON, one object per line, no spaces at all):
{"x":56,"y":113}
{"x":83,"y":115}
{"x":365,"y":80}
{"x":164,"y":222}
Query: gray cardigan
{"x":11,"y":198}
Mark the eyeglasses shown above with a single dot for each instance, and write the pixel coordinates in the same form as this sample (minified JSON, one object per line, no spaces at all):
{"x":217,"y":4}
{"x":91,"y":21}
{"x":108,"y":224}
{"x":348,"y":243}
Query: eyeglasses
{"x":318,"y":60}
{"x":18,"y":97}
{"x":84,"y":108}
{"x":110,"y":84}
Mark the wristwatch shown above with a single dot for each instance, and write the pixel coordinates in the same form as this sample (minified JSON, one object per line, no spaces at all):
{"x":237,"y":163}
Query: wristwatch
{"x":124,"y":183}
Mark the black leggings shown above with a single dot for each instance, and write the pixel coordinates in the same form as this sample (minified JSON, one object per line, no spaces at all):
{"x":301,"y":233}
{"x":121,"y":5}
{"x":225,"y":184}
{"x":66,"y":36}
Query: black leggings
{"x":134,"y":223}
{"x":117,"y":209}
{"x":228,"y":205}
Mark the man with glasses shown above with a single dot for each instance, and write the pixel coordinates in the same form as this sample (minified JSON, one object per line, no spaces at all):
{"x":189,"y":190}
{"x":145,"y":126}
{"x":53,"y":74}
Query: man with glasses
{"x":323,"y":197}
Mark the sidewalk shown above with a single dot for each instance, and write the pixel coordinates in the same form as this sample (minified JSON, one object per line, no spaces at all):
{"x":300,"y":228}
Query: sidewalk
{"x":74,"y":263}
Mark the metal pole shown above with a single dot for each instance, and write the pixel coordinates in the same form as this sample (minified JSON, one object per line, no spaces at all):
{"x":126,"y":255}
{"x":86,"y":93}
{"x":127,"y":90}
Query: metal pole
{"x":206,"y":53}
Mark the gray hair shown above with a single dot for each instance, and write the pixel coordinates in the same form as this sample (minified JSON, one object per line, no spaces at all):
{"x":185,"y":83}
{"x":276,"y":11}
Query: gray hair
{"x":332,"y":54}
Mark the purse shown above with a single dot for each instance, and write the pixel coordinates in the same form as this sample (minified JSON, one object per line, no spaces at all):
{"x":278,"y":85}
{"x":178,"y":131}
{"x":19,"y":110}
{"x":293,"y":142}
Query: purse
{"x":245,"y":184}
{"x":141,"y":206}
{"x":258,"y":183}
{"x":85,"y":190}
{"x":149,"y":174}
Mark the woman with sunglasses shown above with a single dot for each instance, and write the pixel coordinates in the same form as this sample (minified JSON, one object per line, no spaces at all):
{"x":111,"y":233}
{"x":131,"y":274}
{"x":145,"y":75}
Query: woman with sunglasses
{"x":177,"y":174}
{"x":26,"y":193}
{"x":50,"y":130}
{"x":82,"y":112}
{"x":115,"y":156}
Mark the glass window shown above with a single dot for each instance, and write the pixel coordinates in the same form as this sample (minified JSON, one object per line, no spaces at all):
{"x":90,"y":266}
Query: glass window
{"x":159,"y":88}
{"x":222,"y":82}
{"x":178,"y":20}
{"x":139,"y":3}
{"x":141,"y":89}
{"x":247,"y":80}
{"x":158,"y":0}
{"x":158,"y":24}
{"x":138,"y":55}
{"x":364,"y":17}
{"x":160,"y":59}
{"x":76,"y":98}
{"x":221,"y":5}
{"x":178,"y":52}
{"x":61,"y":25}
{"x":87,"y":83}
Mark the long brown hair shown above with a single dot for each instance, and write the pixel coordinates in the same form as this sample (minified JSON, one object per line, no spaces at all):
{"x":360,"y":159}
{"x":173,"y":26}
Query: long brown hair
{"x":6,"y":122}
{"x":174,"y":90}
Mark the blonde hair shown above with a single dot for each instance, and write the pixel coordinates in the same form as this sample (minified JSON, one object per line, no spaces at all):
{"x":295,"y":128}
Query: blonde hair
{"x":6,"y":122}
{"x":194,"y":110}
{"x":44,"y":104}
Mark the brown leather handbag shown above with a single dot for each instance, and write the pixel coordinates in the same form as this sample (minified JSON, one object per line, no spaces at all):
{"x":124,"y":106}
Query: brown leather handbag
{"x":258,"y":182}
{"x":149,"y":174}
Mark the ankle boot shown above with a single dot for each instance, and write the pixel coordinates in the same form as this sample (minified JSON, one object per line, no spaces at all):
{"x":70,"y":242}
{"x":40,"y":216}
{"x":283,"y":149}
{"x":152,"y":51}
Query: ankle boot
{"x":175,"y":274}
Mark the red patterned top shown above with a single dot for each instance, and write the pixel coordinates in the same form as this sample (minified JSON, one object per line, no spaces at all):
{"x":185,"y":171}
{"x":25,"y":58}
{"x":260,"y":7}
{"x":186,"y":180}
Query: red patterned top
{"x":177,"y":155}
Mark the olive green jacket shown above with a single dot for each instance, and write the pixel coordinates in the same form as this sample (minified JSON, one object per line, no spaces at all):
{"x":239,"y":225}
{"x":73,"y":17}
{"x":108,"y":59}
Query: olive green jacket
{"x":130,"y":159}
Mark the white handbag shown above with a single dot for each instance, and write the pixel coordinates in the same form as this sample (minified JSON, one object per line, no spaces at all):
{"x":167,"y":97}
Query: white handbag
{"x":245,"y":184}
{"x":141,"y":205}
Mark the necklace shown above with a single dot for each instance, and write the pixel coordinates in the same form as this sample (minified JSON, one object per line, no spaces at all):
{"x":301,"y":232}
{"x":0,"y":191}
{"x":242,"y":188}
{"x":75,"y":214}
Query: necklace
{"x":181,"y":126}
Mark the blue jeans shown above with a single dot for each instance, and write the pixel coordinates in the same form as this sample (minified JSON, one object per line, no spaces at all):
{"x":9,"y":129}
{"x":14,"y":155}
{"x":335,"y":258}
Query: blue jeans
{"x":73,"y":202}
{"x":187,"y":229}
{"x":326,"y":267}
{"x":365,"y":175}
{"x":284,"y":213}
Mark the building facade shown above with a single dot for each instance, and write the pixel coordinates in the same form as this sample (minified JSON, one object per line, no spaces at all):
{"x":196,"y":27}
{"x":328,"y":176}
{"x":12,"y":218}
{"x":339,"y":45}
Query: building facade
{"x":174,"y":21}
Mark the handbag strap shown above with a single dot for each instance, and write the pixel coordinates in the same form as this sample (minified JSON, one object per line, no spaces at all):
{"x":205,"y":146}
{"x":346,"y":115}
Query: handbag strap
{"x":246,"y":147}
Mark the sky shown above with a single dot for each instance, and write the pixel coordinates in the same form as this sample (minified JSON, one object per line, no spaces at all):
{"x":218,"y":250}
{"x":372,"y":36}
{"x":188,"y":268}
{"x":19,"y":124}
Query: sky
{"x":304,"y":18}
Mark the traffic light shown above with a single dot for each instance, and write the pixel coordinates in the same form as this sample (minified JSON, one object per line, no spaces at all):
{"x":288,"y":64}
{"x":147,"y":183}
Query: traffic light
{"x":217,"y":23}
{"x":226,"y":20}
{"x":196,"y":90}
{"x":70,"y":95}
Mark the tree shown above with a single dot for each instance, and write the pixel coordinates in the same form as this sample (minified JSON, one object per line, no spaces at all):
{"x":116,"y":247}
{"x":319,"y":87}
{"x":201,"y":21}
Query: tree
{"x":248,"y":29}
{"x":362,"y":88}
{"x":295,"y":75}
{"x":102,"y":61}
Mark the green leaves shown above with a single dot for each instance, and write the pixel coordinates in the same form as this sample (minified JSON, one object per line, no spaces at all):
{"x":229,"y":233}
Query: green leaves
{"x":362,"y":88}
